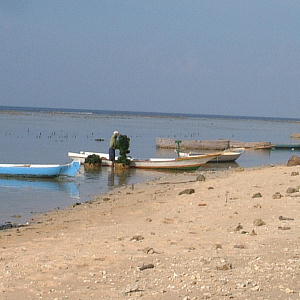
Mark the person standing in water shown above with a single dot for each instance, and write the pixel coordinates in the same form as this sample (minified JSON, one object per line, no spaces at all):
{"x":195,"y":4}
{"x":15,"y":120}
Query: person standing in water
{"x":113,"y":146}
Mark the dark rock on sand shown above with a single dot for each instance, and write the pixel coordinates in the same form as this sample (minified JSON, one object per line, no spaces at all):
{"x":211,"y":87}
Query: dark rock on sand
{"x":291,"y":190}
{"x":224,"y":267}
{"x":281,"y":218}
{"x":257,"y":195}
{"x":187,"y":191}
{"x":200,"y":177}
{"x":144,"y":267}
{"x":239,"y":246}
{"x":238,"y":228}
{"x":284,"y":227}
{"x":277,"y":195}
{"x":137,"y":238}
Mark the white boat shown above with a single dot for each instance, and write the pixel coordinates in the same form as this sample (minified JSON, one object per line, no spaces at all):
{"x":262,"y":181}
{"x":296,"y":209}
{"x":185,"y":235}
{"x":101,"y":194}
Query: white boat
{"x":226,"y":156}
{"x":179,"y":163}
{"x":36,"y":170}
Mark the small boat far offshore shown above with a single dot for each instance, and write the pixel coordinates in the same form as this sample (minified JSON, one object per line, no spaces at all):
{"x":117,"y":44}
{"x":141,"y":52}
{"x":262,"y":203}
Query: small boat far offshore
{"x":37,"y":170}
{"x":178,"y":163}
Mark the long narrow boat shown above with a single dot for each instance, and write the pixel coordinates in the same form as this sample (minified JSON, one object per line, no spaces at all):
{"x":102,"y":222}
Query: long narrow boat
{"x":36,"y":170}
{"x":179,"y":163}
{"x":286,"y":146}
{"x":226,"y":156}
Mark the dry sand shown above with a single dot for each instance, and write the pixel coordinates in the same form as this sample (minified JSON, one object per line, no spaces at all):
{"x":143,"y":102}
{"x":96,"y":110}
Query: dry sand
{"x":148,"y":242}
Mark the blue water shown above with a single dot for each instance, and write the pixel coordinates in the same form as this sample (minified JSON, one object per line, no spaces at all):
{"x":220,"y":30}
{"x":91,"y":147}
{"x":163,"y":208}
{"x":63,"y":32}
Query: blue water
{"x":46,"y":136}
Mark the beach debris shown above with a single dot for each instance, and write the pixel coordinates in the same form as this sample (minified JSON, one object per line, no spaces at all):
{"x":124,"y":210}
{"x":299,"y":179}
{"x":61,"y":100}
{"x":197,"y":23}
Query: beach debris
{"x":294,"y":173}
{"x":200,"y":177}
{"x":187,"y":191}
{"x":281,"y":218}
{"x":284,"y":227}
{"x":148,"y":220}
{"x":253,"y":232}
{"x":210,"y":188}
{"x":238,"y":228}
{"x":294,"y":161}
{"x":145,"y":267}
{"x":239,"y":246}
{"x":202,"y":204}
{"x":277,"y":195}
{"x":257,"y":195}
{"x":258,"y":222}
{"x":137,"y":238}
{"x":292,"y":190}
{"x":224,"y":267}
{"x":105,"y":199}
{"x":76,"y":204}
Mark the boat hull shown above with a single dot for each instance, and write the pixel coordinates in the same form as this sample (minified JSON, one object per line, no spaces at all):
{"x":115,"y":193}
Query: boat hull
{"x":36,"y":170}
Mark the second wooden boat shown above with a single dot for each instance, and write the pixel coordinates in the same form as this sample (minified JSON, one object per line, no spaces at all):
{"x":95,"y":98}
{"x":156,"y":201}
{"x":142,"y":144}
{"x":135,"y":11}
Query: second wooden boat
{"x":226,"y":156}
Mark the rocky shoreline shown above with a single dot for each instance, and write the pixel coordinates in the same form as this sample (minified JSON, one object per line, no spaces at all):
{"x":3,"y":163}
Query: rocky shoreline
{"x":214,"y":235}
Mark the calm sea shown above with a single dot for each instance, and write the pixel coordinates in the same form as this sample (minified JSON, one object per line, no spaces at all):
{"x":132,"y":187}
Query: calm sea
{"x":46,"y":136}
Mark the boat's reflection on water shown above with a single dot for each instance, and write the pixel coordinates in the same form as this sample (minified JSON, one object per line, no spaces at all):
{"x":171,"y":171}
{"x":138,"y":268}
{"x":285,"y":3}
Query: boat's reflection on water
{"x":69,"y":187}
{"x":114,"y":177}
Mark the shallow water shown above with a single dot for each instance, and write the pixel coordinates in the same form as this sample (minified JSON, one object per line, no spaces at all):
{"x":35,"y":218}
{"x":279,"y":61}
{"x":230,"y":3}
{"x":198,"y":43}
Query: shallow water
{"x":47,"y":138}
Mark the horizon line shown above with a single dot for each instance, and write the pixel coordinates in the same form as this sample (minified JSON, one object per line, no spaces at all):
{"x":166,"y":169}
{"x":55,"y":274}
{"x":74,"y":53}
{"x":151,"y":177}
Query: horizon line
{"x":143,"y":113}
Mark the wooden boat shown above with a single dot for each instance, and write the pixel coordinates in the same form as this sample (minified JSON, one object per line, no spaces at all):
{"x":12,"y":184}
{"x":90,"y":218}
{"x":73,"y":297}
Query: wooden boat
{"x":35,"y":170}
{"x":226,"y":156}
{"x":193,"y":144}
{"x":179,"y":163}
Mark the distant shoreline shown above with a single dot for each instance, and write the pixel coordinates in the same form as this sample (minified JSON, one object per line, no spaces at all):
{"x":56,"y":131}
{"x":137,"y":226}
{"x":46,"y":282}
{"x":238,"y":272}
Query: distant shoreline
{"x":20,"y":109}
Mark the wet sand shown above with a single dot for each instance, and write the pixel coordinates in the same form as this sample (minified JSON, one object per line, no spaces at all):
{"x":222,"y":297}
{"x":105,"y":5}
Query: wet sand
{"x":235,"y":235}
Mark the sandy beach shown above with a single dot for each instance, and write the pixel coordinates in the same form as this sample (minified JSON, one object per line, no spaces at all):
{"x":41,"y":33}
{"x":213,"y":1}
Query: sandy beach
{"x":234,"y":235}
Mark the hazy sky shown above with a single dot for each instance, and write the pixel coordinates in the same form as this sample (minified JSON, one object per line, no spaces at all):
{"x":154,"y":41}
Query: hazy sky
{"x":233,"y":57}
